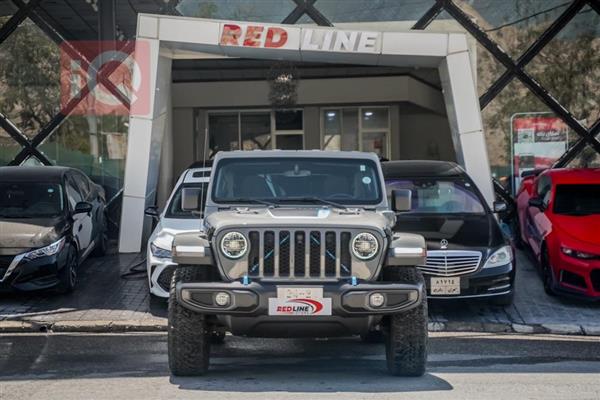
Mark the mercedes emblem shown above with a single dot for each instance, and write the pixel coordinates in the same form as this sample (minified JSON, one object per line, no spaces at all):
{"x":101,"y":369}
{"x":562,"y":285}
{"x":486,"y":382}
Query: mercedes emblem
{"x":443,"y":244}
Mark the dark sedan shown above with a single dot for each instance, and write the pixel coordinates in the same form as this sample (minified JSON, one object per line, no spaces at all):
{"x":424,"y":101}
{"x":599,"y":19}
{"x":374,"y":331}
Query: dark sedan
{"x":51,"y":219}
{"x":467,"y":254}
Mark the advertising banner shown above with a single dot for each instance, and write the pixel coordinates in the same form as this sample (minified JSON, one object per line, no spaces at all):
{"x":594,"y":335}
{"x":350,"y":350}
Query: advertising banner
{"x":538,"y":141}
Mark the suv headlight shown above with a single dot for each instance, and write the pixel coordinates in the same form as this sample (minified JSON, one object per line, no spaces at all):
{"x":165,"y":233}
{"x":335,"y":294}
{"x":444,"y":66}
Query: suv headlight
{"x":502,"y":256}
{"x":159,"y":252}
{"x":49,"y":250}
{"x":234,"y":245}
{"x":365,"y":246}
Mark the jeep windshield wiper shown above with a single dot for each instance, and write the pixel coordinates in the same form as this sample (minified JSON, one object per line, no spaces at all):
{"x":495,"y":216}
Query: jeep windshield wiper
{"x":311,"y":199}
{"x":255,"y":201}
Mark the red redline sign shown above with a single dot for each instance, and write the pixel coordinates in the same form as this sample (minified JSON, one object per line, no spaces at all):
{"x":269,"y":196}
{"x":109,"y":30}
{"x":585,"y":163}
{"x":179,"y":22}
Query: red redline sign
{"x":252,"y":36}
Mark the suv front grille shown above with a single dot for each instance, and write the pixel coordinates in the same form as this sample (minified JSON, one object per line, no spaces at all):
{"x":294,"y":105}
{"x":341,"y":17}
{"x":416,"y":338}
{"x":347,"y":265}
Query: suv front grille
{"x":451,"y":262}
{"x":164,"y":279}
{"x":299,"y":254}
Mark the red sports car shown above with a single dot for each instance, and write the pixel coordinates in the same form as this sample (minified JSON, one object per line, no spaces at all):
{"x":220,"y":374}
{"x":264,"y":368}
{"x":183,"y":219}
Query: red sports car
{"x":559,"y":216}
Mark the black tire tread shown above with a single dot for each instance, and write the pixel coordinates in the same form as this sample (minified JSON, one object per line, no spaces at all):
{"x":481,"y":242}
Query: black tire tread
{"x":188,"y":333}
{"x":407,"y":335}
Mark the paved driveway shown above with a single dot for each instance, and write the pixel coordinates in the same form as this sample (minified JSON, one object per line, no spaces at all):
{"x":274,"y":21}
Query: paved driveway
{"x":105,"y":301}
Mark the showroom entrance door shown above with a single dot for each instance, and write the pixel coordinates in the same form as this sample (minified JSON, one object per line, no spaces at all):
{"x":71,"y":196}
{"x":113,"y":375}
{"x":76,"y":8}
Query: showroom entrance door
{"x":169,"y":37}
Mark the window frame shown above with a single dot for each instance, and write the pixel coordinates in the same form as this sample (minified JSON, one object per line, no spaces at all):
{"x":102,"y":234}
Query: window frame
{"x":361,"y":129}
{"x":273,"y":132}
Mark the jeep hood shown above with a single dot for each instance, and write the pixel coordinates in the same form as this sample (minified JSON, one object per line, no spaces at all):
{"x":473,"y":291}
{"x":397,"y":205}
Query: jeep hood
{"x":301,"y":217}
{"x":20,"y":235}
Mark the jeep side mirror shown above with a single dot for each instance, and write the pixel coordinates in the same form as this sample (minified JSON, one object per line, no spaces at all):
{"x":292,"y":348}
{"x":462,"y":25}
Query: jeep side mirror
{"x":500,"y":206}
{"x":83,"y":207}
{"x":401,"y":200}
{"x":536,"y":202}
{"x":152,"y":211}
{"x":190,"y":198}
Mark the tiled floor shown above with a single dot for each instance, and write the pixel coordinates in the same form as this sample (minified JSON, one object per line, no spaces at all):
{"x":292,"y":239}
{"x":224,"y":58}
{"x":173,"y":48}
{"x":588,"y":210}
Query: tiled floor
{"x":103,"y":295}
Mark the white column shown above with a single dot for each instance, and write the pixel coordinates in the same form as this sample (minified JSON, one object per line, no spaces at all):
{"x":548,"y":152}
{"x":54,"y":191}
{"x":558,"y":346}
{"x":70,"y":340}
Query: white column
{"x":146,"y":132}
{"x":464,"y":114}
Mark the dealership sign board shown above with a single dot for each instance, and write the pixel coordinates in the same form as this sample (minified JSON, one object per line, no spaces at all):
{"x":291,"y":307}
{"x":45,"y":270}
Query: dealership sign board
{"x":538,"y":141}
{"x":254,"y":36}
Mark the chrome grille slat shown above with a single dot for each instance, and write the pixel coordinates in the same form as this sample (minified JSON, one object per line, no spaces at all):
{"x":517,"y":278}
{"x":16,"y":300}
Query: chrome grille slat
{"x":323,"y":257}
{"x":451,"y":262}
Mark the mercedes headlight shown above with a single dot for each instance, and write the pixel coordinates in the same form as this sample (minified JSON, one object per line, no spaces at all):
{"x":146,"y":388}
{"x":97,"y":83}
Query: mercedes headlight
{"x":234,"y":245}
{"x":365,"y":246}
{"x":159,"y":252}
{"x":49,"y":250}
{"x":502,"y":256}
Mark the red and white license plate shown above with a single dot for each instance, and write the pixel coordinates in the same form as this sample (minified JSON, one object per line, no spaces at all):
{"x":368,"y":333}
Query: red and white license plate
{"x":299,"y":301}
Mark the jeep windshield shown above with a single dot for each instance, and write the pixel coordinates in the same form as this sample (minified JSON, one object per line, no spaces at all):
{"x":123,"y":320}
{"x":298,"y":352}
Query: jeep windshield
{"x":285,"y":180}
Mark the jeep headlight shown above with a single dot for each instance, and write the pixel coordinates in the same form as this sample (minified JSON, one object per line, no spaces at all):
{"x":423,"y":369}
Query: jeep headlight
{"x":234,"y":245}
{"x":365,"y":246}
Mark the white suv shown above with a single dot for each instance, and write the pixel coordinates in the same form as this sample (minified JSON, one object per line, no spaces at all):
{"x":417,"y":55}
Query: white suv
{"x":171,"y":221}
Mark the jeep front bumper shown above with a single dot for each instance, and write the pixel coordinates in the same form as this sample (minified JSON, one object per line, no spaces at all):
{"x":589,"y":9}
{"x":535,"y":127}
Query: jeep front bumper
{"x":252,"y":299}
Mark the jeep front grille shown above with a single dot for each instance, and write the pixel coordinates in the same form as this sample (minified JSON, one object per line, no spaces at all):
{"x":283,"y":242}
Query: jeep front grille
{"x":451,"y":262}
{"x":299,"y":254}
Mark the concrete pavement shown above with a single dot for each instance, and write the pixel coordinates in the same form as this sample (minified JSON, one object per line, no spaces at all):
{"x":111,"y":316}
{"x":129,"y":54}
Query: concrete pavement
{"x":461,"y":366}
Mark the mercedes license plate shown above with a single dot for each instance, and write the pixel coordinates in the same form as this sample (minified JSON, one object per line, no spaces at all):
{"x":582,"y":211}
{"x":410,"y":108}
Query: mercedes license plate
{"x":445,"y":286}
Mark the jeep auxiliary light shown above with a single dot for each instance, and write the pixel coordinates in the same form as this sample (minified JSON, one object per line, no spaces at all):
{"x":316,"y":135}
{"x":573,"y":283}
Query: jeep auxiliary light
{"x":376,"y":299}
{"x":222,"y":299}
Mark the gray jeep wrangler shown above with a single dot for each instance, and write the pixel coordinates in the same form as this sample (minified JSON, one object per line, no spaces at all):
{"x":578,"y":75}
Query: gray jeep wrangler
{"x":297,"y":244}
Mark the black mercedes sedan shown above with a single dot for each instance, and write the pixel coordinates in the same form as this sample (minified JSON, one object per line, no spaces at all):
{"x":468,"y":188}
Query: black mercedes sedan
{"x":51,"y":219}
{"x":468,"y":255}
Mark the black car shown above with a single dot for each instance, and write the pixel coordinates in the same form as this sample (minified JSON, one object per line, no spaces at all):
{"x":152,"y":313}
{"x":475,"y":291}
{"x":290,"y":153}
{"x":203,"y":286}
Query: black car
{"x":51,"y":219}
{"x":468,"y":256}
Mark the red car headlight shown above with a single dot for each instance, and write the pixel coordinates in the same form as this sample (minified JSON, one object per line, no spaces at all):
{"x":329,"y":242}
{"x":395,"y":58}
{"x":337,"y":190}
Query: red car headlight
{"x":579,"y":254}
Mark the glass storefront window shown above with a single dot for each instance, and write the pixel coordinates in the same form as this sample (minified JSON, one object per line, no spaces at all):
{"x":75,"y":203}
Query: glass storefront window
{"x":374,"y":118}
{"x":350,"y":131}
{"x":488,"y":68}
{"x":223,"y":132}
{"x":289,"y":142}
{"x":341,"y":129}
{"x":375,"y":142}
{"x":288,"y":120}
{"x":256,"y":130}
{"x":29,"y":78}
{"x":332,"y":130}
{"x":373,"y":10}
{"x":96,"y":145}
{"x":515,"y":24}
{"x":569,"y":66}
{"x":539,"y":138}
{"x":238,"y":10}
{"x":8,"y":148}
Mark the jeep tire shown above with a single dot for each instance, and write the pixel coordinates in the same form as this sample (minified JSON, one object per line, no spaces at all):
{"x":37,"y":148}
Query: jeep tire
{"x":406,"y":332}
{"x":189,"y":334}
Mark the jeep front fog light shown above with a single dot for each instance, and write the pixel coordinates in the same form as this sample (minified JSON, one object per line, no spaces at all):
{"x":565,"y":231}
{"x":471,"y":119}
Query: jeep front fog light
{"x":234,"y":245}
{"x":222,"y":299}
{"x":376,"y":299}
{"x":365,"y":246}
